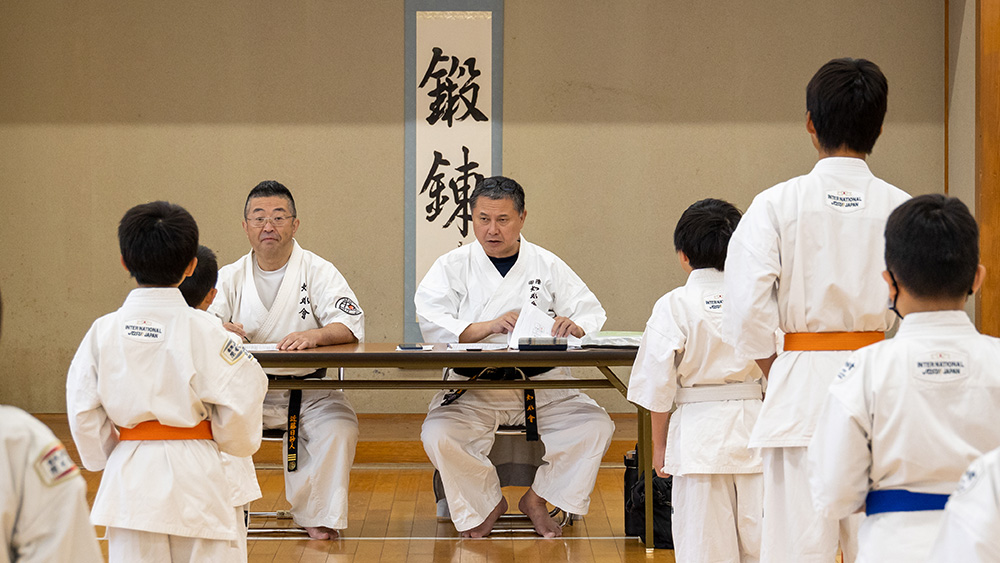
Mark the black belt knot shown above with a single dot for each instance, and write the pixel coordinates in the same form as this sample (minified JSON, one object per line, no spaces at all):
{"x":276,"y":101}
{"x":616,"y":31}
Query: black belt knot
{"x":504,"y":374}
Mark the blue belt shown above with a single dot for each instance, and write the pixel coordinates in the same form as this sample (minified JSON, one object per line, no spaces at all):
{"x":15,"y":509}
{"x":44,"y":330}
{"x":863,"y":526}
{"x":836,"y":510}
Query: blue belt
{"x":899,"y":500}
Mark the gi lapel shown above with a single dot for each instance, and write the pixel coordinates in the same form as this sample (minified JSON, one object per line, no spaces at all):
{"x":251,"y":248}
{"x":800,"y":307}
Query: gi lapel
{"x":285,"y":302}
{"x":500,"y":294}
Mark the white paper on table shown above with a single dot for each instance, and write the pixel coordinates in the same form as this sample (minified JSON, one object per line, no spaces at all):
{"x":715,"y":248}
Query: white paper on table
{"x":273,"y":347}
{"x":476,"y":346}
{"x":533,"y":322}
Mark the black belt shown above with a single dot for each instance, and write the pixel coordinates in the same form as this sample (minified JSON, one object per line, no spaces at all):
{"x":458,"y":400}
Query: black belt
{"x":294,"y":406}
{"x":505,"y":374}
{"x":499,"y":374}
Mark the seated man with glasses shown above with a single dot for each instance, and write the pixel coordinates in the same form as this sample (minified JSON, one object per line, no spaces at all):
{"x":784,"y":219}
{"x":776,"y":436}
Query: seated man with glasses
{"x":280,"y":293}
{"x":474,"y":294}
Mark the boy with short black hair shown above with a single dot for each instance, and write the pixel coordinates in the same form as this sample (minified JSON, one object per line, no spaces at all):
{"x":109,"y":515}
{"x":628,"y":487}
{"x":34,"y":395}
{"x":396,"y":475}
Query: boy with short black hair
{"x":155,"y":392}
{"x":805,"y":261}
{"x":905,"y":417}
{"x":683,"y":362}
{"x":198,"y":289}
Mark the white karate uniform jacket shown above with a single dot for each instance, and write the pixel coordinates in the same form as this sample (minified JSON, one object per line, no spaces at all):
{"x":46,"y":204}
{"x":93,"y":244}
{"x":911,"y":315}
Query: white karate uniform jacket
{"x":807,"y":256}
{"x":43,"y":504}
{"x":313,"y":294}
{"x":971,"y":518}
{"x":908,"y":413}
{"x":155,"y":358}
{"x":682,"y":347}
{"x":463,"y":287}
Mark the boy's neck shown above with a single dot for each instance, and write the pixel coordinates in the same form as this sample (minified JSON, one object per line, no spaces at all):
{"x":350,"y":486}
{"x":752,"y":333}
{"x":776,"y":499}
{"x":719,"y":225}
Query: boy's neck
{"x":909,"y":304}
{"x":843,"y":152}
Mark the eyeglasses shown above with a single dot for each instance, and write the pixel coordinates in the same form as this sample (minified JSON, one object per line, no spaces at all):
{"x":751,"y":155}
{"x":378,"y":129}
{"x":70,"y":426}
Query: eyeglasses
{"x":277,"y":220}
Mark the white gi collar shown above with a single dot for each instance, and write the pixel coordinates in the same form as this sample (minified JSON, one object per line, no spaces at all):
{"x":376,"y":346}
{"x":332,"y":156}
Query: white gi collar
{"x":937,"y":323}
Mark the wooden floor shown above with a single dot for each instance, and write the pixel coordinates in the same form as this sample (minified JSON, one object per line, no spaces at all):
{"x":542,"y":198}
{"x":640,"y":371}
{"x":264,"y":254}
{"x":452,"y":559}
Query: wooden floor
{"x":392,"y":514}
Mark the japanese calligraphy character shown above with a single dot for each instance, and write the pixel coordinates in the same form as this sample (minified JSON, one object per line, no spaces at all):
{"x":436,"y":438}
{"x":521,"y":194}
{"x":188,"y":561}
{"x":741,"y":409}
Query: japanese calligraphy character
{"x":460,"y":189}
{"x":436,"y":185}
{"x":447,"y":95}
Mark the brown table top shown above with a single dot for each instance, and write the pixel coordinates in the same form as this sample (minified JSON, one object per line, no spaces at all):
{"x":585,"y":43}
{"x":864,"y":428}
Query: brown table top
{"x":386,"y":355}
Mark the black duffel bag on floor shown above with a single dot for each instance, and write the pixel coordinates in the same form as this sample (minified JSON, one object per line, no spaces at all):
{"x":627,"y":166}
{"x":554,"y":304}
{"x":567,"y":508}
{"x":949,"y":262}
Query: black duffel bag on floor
{"x":635,"y":505}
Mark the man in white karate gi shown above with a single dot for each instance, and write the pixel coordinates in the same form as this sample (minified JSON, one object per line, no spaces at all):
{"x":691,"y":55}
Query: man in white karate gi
{"x":43,"y":498}
{"x":474,"y":294}
{"x":971,"y":518}
{"x":806,"y":259}
{"x":280,"y":293}
{"x":904,"y":418}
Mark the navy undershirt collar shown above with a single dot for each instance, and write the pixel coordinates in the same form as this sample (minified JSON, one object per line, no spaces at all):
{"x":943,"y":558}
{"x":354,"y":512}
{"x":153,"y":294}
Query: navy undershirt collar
{"x":504,"y":265}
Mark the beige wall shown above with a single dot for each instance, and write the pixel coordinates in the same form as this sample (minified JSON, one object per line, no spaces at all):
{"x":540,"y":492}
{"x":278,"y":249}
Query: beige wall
{"x":617,"y":117}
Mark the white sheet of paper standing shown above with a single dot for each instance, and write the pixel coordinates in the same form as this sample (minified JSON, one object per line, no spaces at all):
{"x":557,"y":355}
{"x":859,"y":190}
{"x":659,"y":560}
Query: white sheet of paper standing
{"x":532,"y":322}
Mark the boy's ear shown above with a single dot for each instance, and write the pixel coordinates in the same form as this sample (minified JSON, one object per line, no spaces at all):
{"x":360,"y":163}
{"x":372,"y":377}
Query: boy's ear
{"x":810,"y":128}
{"x":892,"y":287}
{"x":207,"y":301}
{"x":124,"y":266}
{"x":190,"y":268}
{"x":977,"y":281}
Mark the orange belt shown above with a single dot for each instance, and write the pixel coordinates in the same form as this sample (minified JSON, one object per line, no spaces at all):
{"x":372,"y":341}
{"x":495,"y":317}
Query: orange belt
{"x":828,"y":341}
{"x":153,"y":430}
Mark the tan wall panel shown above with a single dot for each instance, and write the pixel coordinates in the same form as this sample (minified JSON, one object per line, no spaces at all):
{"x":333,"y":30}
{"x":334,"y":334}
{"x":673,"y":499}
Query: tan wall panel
{"x":616,"y":118}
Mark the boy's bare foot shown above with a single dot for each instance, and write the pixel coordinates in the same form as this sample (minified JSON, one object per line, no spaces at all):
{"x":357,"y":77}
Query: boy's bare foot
{"x":533,"y":506}
{"x":322,"y":533}
{"x":484,"y":529}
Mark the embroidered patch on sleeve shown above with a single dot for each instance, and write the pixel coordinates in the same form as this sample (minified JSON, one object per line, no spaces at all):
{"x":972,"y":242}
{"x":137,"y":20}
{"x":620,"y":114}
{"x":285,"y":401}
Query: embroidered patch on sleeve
{"x":968,"y":480}
{"x":347,"y":305}
{"x":54,"y":465}
{"x":846,"y":370}
{"x":232,"y":351}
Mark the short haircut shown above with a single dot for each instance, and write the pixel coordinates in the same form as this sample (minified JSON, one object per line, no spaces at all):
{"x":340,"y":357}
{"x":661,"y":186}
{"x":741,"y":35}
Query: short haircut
{"x":847,"y":99}
{"x":498,"y":187}
{"x":932,"y":246}
{"x":704,"y":230}
{"x":195,"y":287}
{"x":157,"y":241}
{"x":269,"y":188}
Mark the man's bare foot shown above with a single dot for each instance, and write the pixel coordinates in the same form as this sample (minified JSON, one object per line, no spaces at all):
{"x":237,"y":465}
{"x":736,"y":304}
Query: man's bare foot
{"x":322,"y":533}
{"x":484,"y":529}
{"x":533,"y":506}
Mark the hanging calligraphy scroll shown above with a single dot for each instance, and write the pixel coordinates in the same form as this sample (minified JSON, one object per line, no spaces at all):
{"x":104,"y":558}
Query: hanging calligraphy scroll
{"x":453,"y":127}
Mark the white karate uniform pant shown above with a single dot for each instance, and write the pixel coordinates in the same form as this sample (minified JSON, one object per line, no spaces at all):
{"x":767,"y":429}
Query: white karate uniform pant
{"x":717,"y":518}
{"x":328,"y":436}
{"x":899,"y":537}
{"x":794,"y":531}
{"x":136,"y":546}
{"x":575,"y":431}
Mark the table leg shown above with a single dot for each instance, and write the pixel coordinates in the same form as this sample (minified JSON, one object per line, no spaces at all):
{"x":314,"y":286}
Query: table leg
{"x":644,"y":460}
